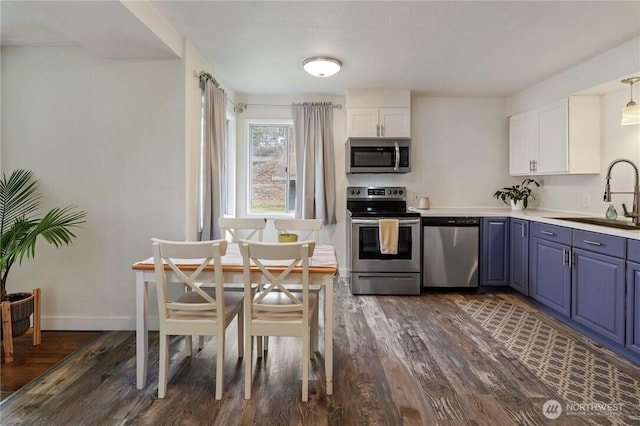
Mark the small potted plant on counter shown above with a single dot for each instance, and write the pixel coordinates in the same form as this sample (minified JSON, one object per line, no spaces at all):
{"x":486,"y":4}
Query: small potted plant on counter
{"x":517,"y":195}
{"x":20,"y":227}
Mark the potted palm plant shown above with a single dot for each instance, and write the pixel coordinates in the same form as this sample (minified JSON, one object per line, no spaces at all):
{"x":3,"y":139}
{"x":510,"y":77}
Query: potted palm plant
{"x":517,"y":195}
{"x":20,"y":227}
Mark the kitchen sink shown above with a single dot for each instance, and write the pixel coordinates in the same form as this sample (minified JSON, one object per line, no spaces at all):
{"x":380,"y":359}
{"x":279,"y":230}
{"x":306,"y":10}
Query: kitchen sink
{"x":619,"y":224}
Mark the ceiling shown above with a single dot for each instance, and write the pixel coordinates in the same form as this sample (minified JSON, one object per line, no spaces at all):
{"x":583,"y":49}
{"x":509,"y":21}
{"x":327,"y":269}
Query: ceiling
{"x":452,"y":48}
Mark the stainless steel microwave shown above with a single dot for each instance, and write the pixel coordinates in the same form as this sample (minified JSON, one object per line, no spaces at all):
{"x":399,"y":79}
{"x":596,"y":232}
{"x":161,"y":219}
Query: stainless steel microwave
{"x":375,"y":155}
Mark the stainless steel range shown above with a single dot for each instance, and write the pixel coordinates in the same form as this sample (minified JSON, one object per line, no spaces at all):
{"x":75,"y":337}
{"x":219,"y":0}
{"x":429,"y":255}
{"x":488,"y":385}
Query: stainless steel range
{"x":371,"y":271}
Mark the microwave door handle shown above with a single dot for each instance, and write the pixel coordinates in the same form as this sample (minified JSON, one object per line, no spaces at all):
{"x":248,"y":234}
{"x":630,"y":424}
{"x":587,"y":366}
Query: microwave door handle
{"x":397,"y":156}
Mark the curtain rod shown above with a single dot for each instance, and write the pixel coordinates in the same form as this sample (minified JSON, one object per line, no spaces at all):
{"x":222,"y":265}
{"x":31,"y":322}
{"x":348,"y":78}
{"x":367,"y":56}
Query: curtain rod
{"x":204,"y":76}
{"x":338,"y":106}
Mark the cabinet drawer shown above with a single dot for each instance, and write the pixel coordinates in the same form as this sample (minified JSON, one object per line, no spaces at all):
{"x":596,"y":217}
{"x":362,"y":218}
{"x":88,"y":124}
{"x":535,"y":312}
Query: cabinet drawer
{"x":633,"y":250}
{"x":599,"y":243}
{"x":559,"y":234}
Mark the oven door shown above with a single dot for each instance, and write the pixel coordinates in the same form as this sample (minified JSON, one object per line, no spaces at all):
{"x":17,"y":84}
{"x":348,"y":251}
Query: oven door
{"x":365,"y":247}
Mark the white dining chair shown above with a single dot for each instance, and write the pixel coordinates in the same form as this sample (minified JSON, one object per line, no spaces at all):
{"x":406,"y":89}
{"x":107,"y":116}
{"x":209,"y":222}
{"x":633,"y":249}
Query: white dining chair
{"x":307,"y":229}
{"x":194,"y":312}
{"x":235,"y":229}
{"x":242,"y":228}
{"x":274,"y":310}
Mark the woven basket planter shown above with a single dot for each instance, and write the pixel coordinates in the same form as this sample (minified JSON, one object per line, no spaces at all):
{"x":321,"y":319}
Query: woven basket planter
{"x":22,"y":307}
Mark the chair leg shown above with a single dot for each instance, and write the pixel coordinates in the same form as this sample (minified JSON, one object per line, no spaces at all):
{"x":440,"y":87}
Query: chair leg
{"x":259,"y":340}
{"x":200,"y":342}
{"x":188,"y":345}
{"x":305,"y":366}
{"x":248,"y":342}
{"x":164,"y":366}
{"x":314,"y":333}
{"x":241,"y":333}
{"x":220,"y":364}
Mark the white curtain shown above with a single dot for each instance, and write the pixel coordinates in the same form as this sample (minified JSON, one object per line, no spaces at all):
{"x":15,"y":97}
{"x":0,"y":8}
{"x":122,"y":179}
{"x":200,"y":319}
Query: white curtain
{"x":316,"y":185}
{"x":215,"y":104}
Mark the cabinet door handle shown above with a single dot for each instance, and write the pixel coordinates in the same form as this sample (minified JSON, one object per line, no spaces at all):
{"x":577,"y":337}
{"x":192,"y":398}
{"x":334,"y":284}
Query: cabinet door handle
{"x":565,"y":257}
{"x":593,"y":243}
{"x":530,"y":165}
{"x":382,"y":130}
{"x":377,"y":130}
{"x":522,"y":229}
{"x":548,"y":233}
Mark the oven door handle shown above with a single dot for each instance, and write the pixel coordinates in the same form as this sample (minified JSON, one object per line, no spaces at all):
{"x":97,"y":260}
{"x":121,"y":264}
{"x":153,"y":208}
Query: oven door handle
{"x":376,"y":222}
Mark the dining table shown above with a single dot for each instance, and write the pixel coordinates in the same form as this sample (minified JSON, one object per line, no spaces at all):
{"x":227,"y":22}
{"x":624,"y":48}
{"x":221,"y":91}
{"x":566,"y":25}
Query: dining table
{"x":323,"y":271}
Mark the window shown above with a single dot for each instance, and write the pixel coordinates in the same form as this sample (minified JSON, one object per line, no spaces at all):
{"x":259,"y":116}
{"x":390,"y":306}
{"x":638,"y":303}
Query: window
{"x":272,"y":167}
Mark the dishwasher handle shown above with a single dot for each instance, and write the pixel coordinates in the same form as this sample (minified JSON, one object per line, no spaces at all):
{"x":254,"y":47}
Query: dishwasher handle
{"x":450,"y":221}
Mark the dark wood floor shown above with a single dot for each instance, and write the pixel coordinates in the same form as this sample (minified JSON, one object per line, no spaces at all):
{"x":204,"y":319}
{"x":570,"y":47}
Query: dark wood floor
{"x":31,"y":361}
{"x":398,"y":360}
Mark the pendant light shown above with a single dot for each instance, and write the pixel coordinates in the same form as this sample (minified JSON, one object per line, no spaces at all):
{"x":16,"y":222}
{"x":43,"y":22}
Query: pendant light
{"x":321,"y":66}
{"x":631,"y":113}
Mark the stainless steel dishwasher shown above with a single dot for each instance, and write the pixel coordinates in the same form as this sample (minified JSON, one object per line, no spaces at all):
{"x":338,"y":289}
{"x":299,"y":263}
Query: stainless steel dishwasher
{"x":450,"y":247}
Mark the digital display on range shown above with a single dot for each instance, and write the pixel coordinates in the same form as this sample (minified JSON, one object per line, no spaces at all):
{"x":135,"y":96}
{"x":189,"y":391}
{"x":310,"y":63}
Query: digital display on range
{"x":375,"y":191}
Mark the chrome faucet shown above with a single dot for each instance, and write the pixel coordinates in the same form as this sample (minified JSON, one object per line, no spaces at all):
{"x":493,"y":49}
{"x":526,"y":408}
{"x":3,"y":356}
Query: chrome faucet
{"x":635,"y":213}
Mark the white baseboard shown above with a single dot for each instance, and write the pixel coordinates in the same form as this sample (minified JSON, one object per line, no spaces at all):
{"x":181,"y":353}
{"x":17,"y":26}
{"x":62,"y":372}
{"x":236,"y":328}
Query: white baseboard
{"x":93,"y":323}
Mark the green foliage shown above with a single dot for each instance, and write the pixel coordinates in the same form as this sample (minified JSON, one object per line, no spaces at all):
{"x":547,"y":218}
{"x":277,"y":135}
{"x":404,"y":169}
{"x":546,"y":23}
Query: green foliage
{"x":20,"y":225}
{"x":520,"y":192}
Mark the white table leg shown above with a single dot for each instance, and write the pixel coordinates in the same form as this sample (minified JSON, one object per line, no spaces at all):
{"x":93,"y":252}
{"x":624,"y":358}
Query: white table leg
{"x":142,"y":330}
{"x":328,"y":336}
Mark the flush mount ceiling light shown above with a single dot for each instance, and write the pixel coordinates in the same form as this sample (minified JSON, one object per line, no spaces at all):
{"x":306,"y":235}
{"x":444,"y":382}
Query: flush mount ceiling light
{"x":631,"y":113}
{"x":321,"y":66}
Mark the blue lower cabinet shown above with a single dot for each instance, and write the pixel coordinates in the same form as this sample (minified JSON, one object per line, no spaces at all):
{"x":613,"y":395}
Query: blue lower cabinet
{"x":519,"y":255}
{"x":598,"y":293}
{"x":495,"y":252}
{"x":633,"y":306}
{"x":550,"y":274}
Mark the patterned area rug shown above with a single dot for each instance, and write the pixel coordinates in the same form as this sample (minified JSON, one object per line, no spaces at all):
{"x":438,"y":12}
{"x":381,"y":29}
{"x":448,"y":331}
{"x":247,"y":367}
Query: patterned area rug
{"x":590,"y":385}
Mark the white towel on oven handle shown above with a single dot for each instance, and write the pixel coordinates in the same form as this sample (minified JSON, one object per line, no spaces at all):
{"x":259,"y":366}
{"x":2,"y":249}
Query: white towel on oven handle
{"x":388,"y":233}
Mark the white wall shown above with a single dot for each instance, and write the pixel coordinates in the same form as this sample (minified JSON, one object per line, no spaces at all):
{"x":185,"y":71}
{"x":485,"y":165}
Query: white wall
{"x":108,"y":136}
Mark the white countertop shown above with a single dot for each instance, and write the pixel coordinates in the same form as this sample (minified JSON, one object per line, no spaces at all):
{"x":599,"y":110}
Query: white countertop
{"x":544,"y":216}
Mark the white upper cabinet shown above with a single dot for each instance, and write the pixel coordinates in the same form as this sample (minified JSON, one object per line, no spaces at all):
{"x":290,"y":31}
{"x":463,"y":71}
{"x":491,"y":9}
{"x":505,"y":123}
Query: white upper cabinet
{"x":378,"y":122}
{"x":378,"y":113}
{"x":560,"y":138}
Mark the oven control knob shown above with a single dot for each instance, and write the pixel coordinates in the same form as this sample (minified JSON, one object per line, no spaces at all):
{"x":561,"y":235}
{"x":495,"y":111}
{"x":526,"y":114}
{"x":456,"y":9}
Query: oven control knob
{"x":395,"y":191}
{"x":353,"y":192}
{"x":358,"y":191}
{"x":389,"y":191}
{"x":400,"y":192}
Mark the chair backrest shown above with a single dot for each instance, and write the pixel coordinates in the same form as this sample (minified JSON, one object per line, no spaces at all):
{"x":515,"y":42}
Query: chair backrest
{"x":307,"y":229}
{"x":287,"y":257}
{"x":243,"y":228}
{"x":185,"y":261}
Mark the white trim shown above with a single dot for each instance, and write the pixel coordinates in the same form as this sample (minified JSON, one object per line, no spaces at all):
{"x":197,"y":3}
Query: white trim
{"x":95,"y":323}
